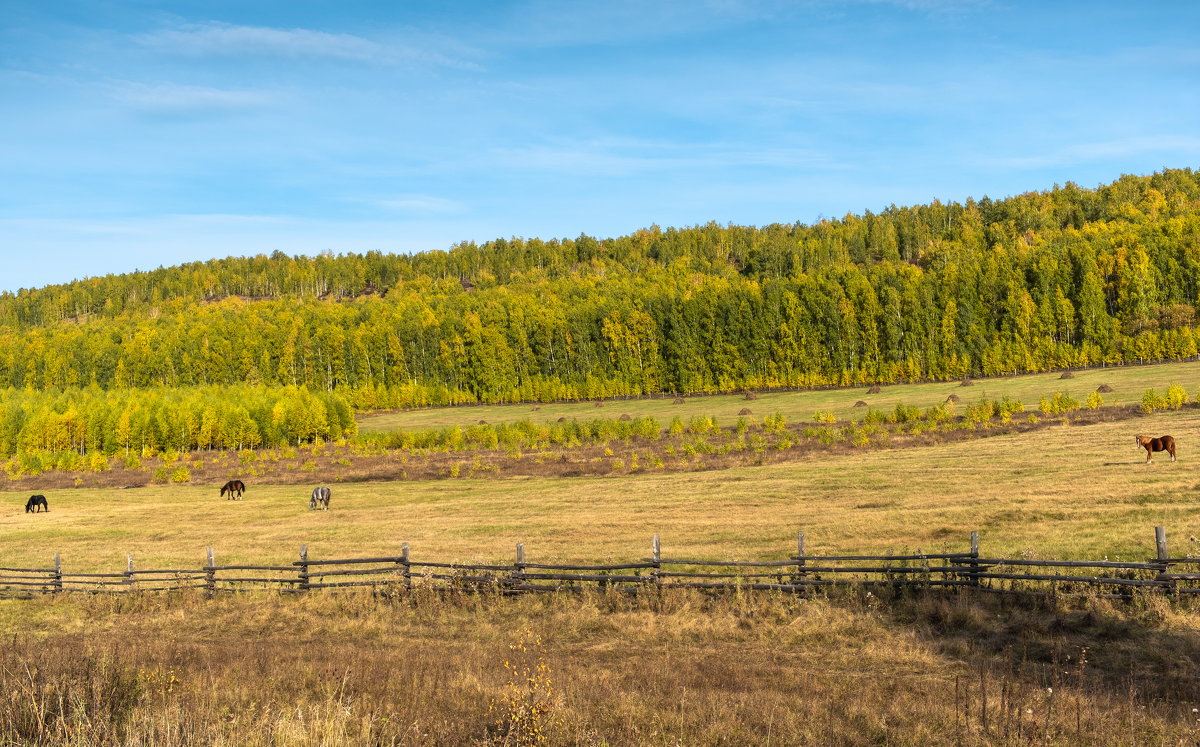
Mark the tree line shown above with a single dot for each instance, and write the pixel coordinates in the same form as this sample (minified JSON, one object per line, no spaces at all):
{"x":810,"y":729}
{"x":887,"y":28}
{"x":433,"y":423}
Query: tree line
{"x":1061,"y":278}
{"x":125,"y":422}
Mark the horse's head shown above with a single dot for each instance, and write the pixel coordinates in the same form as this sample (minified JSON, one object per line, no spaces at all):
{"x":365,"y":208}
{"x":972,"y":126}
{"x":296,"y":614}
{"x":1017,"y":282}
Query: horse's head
{"x":1141,"y":440}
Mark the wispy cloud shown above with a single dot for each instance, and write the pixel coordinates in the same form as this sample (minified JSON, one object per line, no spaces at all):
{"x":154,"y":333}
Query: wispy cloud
{"x":169,"y":98}
{"x":220,"y":39}
{"x":420,"y":205}
{"x":627,"y":158}
{"x":1101,"y":150}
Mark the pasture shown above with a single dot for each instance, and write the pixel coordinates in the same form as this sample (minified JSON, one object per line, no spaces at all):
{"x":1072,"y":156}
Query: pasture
{"x":1066,"y":491}
{"x":1128,"y":383}
{"x":601,"y":669}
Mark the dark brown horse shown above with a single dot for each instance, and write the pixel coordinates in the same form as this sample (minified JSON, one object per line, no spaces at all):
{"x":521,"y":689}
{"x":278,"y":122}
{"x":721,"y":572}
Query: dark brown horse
{"x":235,"y":488}
{"x":36,"y":503}
{"x":1162,"y":443}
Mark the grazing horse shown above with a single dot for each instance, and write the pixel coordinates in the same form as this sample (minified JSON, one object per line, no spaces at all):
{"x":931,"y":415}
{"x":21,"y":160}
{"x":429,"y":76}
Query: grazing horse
{"x":1162,"y":443}
{"x":35,"y":504}
{"x":235,"y":488}
{"x":320,"y":497}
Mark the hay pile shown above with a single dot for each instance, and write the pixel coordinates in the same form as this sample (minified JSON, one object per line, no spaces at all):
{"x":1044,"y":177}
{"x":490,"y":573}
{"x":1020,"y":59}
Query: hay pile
{"x":860,"y":403}
{"x":874,"y":389}
{"x":1105,"y":389}
{"x":677,"y":401}
{"x":1067,"y":375}
{"x":745,"y":411}
{"x":625,"y":416}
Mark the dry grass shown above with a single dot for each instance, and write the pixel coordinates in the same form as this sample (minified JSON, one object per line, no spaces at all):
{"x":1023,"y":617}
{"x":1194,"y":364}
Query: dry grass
{"x":603,"y":670}
{"x":1066,"y":491}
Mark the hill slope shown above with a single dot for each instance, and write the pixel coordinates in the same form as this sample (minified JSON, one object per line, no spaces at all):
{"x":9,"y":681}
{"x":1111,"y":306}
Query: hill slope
{"x":1068,"y":277}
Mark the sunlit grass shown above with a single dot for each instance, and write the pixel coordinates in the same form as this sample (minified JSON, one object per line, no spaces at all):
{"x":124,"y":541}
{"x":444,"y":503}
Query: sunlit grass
{"x":1066,"y":491}
{"x":1129,"y":382}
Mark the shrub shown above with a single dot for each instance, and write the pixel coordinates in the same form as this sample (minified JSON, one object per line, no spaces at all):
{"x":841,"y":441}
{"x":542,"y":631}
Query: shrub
{"x":1176,"y":396}
{"x":875,"y":417}
{"x":938,"y":413}
{"x":776,"y":423}
{"x":98,"y":462}
{"x":1060,"y":403}
{"x":1095,"y":401}
{"x":823,"y":416}
{"x":676,"y":426}
{"x":1152,"y":400}
{"x":906,"y":413}
{"x":981,"y":411}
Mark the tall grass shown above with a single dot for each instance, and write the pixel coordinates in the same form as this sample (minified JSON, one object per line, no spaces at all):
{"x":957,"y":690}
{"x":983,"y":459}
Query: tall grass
{"x":596,"y":669}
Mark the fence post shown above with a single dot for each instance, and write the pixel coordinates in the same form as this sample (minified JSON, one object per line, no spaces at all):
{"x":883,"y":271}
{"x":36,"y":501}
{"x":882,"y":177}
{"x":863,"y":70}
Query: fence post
{"x":407,"y":569}
{"x":656,"y":558}
{"x":303,"y":568}
{"x":129,"y":570}
{"x":975,"y":558}
{"x":210,"y":575}
{"x":800,"y":559}
{"x":1160,"y":546}
{"x":518,"y":567}
{"x":58,"y":585}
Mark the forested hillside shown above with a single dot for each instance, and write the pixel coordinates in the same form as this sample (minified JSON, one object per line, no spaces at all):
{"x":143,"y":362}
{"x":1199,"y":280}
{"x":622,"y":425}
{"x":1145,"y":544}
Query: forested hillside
{"x":1067,"y":277}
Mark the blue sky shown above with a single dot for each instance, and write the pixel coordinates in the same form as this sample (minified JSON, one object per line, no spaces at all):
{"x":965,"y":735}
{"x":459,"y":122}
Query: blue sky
{"x":138,"y":134}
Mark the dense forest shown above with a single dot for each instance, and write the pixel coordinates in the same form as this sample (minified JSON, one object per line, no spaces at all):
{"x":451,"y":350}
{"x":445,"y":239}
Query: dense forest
{"x":1065,"y":277}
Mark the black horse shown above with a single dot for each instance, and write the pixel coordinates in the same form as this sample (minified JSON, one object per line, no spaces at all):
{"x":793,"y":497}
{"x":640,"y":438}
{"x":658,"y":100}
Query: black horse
{"x":36,"y":504}
{"x":235,"y":488}
{"x":320,"y":497}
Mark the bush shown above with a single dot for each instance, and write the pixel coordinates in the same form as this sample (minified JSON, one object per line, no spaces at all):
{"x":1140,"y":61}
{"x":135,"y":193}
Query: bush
{"x":823,"y":416}
{"x":1095,"y":401}
{"x":906,"y":413}
{"x":1176,"y":396}
{"x":1152,"y":400}
{"x":98,"y":462}
{"x":181,"y":474}
{"x":1060,"y":403}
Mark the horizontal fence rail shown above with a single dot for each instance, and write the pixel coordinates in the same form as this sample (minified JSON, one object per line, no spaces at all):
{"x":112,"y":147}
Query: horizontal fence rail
{"x":798,"y":573}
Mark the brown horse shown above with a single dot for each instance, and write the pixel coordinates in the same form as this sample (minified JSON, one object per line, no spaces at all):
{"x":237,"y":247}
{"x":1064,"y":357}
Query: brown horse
{"x":235,"y":488}
{"x":1162,"y":443}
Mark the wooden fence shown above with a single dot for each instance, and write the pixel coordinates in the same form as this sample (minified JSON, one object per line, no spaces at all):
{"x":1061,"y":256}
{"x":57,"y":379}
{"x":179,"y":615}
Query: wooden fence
{"x":797,"y":573}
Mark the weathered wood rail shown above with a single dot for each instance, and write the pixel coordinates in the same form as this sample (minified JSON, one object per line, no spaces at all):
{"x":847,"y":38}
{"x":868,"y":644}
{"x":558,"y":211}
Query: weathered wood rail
{"x":798,"y":573}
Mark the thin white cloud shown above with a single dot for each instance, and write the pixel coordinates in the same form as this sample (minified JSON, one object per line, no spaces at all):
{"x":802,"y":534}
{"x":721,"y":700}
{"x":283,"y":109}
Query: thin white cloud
{"x":1107,"y":149}
{"x":627,"y":158}
{"x":220,"y":39}
{"x":175,"y":98}
{"x":421,"y":205}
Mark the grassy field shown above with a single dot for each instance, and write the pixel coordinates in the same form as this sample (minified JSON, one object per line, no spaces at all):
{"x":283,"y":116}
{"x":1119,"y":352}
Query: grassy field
{"x":1065,"y":491}
{"x":1128,"y":382}
{"x":600,"y":669}
{"x":594,"y":670}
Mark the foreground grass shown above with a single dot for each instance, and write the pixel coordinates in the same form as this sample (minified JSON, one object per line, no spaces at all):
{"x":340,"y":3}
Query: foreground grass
{"x":1068,"y":491}
{"x":596,"y":670}
{"x":1129,"y":382}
